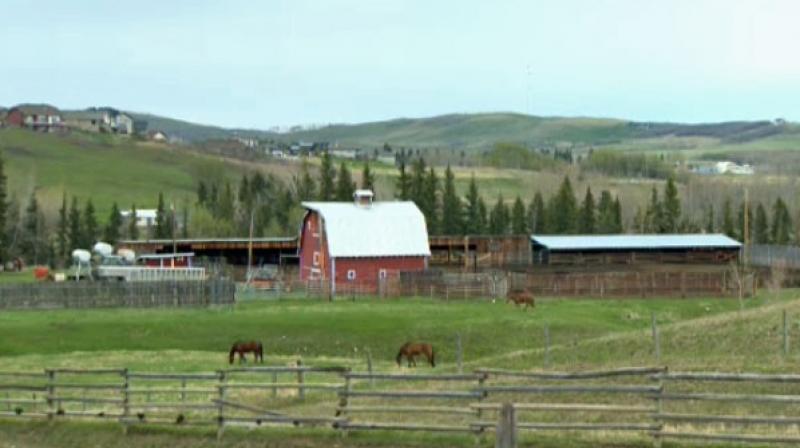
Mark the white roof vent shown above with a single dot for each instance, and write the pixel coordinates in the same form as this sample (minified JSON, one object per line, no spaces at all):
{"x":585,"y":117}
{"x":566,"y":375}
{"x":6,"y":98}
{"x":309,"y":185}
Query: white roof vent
{"x":363,"y":198}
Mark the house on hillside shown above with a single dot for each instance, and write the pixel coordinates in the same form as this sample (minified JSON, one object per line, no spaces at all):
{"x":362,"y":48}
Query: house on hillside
{"x":157,"y":136}
{"x":595,"y":250}
{"x":361,"y":243}
{"x":145,"y":218}
{"x":100,"y":119}
{"x":39,"y":117}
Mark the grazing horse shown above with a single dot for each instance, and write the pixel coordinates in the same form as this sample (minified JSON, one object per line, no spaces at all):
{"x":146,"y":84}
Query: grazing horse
{"x":413,"y":349}
{"x":242,"y":347}
{"x":521,"y":297}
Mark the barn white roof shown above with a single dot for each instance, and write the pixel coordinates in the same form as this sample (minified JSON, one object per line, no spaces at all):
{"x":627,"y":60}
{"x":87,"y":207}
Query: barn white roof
{"x":629,"y":242}
{"x":384,"y":229}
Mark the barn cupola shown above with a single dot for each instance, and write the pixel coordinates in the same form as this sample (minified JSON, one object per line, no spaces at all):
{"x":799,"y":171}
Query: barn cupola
{"x":363,"y":198}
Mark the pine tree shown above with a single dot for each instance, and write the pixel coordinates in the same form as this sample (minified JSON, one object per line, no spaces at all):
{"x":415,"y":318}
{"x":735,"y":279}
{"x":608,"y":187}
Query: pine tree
{"x":283,"y":210}
{"x":537,"y":214}
{"x":344,"y":184}
{"x":403,"y":186}
{"x":133,"y":228}
{"x":618,"y":226}
{"x":63,"y":226}
{"x":711,"y":224}
{"x":417,"y":193}
{"x":781,"y":223}
{"x":367,"y":178}
{"x":161,"y":230}
{"x":472,"y":214}
{"x":89,"y":225}
{"x":586,"y":216}
{"x":728,"y":226}
{"x":482,"y":224}
{"x":562,"y":209}
{"x":75,"y":228}
{"x":653,"y":217}
{"x":304,"y":186}
{"x":498,"y":218}
{"x":225,"y":208}
{"x":605,"y":214}
{"x":245,"y":195}
{"x":671,"y":208}
{"x":430,"y":201}
{"x":519,"y":219}
{"x":3,"y":214}
{"x":112,"y":230}
{"x":327,"y":175}
{"x":452,"y":212}
{"x":29,"y":241}
{"x":202,"y":193}
{"x":761,"y":226}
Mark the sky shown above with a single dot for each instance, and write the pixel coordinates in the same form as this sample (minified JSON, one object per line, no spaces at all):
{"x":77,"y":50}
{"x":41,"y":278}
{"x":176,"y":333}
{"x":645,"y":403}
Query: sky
{"x":259,"y":64}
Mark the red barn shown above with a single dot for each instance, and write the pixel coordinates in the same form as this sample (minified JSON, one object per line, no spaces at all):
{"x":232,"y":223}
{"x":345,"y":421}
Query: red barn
{"x":361,"y":242}
{"x":40,"y":117}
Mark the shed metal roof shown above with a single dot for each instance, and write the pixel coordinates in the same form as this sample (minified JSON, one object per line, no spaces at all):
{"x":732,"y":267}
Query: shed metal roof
{"x":630,"y":242}
{"x":384,"y":229}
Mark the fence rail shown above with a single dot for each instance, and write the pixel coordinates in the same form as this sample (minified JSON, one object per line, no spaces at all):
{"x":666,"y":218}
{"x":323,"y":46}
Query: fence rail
{"x":651,"y":401}
{"x":106,"y":294}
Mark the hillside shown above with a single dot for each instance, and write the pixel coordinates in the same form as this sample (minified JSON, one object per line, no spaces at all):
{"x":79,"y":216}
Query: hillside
{"x":478,"y":131}
{"x":105,"y":167}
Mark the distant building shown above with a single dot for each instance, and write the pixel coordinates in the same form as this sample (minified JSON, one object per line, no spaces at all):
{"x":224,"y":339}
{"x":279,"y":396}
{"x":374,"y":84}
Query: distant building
{"x":100,"y":119}
{"x":39,"y":117}
{"x":157,"y":136}
{"x":724,"y":167}
{"x":144,"y":218}
{"x":343,"y":244}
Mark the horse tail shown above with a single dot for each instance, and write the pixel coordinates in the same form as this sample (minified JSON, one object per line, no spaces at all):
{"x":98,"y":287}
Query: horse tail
{"x":399,"y":355}
{"x":433,"y":356}
{"x":261,"y":351}
{"x":232,"y":352}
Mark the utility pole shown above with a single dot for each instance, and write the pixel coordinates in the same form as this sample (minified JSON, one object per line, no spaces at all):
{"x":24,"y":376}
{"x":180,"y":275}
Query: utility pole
{"x":250,"y":250}
{"x":746,"y":230}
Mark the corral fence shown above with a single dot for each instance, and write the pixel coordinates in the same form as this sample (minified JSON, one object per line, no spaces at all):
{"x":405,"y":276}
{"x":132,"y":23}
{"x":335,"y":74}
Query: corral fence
{"x":104,"y":294}
{"x":642,"y":402}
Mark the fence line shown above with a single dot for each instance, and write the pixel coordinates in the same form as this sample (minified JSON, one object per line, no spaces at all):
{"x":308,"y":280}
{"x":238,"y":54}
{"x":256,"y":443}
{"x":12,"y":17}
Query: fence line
{"x":651,"y":401}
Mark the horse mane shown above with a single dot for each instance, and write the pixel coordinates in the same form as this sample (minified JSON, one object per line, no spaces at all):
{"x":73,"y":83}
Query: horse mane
{"x":400,"y":352}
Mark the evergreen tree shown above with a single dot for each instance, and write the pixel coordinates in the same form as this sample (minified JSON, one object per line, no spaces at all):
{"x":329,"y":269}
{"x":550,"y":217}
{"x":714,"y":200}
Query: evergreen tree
{"x":618,"y":226}
{"x":327,"y":175}
{"x":75,"y":229}
{"x":671,"y":208}
{"x":304,"y":186}
{"x":519,"y":219}
{"x":482,"y":226}
{"x":761,"y":226}
{"x":185,"y":222}
{"x":403,"y":186}
{"x":430,"y":202}
{"x":89,"y":226}
{"x":741,"y":216}
{"x":133,"y":228}
{"x":472,"y":214}
{"x":202,"y":193}
{"x":562,"y":209}
{"x":781,"y":223}
{"x":63,"y":229}
{"x":225,"y":208}
{"x":586,"y":216}
{"x":112,"y":231}
{"x":728,"y":226}
{"x":537,"y":214}
{"x":498,"y":218}
{"x":653,"y":217}
{"x":161,"y":231}
{"x":245,"y":195}
{"x":711,"y":224}
{"x":452,"y":212}
{"x":606,"y":221}
{"x":31,"y":231}
{"x":418,"y":182}
{"x":3,"y":214}
{"x":283,"y":210}
{"x":344,"y":184}
{"x":367,"y":178}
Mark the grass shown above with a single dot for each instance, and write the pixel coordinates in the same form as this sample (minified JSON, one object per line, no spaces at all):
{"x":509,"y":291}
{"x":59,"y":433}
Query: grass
{"x":24,"y":276}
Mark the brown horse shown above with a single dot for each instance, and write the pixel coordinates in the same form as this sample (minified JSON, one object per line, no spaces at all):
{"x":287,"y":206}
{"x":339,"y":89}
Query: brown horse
{"x":242,"y":347}
{"x":521,"y":297}
{"x":413,"y":349}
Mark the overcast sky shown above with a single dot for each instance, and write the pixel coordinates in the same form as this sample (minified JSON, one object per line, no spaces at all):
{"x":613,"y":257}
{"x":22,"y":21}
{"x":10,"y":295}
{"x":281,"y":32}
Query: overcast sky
{"x":281,"y":62}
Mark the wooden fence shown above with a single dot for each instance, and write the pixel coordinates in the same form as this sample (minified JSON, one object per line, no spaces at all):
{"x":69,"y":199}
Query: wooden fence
{"x":648,"y":402}
{"x":117,"y":294}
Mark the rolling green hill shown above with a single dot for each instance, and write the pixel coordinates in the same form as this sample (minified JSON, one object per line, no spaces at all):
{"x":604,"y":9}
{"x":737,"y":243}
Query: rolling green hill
{"x":105,"y":167}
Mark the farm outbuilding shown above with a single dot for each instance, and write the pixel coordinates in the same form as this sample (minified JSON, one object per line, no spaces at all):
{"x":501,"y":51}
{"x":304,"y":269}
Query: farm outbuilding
{"x":634,"y":249}
{"x":361,"y":244}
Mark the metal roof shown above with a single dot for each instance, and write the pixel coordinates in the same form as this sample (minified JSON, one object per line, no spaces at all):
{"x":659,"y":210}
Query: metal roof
{"x":283,"y":239}
{"x":617,"y":242}
{"x":383,"y":229}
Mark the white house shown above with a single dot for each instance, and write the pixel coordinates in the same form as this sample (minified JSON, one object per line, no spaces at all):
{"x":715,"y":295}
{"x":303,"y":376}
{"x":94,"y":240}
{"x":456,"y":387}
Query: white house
{"x":144,"y":217}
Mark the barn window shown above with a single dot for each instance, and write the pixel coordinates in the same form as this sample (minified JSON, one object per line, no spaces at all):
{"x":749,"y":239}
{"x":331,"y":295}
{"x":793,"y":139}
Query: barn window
{"x":351,"y":274}
{"x":382,"y":274}
{"x":316,"y":258}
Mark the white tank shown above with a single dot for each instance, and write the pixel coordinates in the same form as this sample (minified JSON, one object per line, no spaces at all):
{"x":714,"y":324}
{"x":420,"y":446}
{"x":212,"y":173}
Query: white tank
{"x":102,"y":249}
{"x":128,"y":255}
{"x":81,"y":256}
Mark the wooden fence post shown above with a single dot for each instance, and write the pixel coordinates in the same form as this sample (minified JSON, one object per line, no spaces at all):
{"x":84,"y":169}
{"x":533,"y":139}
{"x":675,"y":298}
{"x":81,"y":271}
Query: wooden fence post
{"x":546,"y":346}
{"x":126,"y":410}
{"x":656,"y":339}
{"x":274,"y":387}
{"x":51,"y":404}
{"x":459,"y":354}
{"x":785,"y":334}
{"x":301,"y":390}
{"x":369,"y":367}
{"x":220,"y":405}
{"x":506,"y":432}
